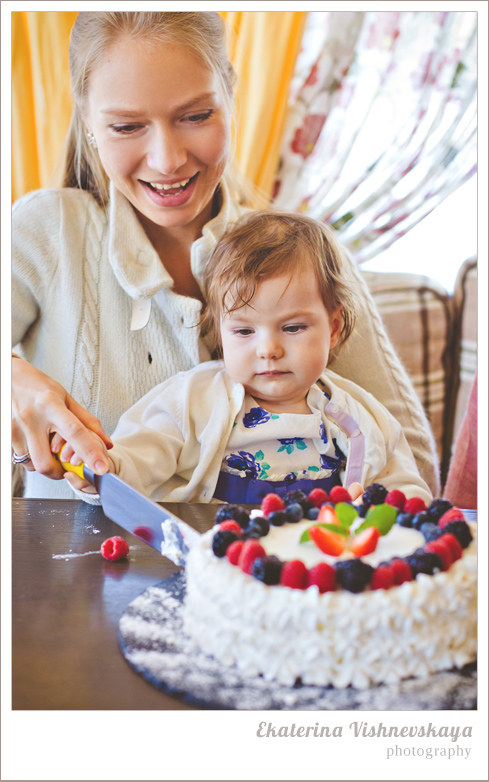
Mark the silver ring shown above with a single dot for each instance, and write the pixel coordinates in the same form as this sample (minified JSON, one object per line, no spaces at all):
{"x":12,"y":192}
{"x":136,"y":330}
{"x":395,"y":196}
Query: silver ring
{"x":21,"y":459}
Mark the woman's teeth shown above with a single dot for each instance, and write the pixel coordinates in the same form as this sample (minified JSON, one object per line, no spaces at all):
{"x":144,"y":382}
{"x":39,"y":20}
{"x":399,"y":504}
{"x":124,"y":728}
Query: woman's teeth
{"x":174,"y":186}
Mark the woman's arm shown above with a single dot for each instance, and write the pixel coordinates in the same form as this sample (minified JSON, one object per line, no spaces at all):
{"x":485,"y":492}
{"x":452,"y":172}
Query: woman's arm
{"x":369,"y":359}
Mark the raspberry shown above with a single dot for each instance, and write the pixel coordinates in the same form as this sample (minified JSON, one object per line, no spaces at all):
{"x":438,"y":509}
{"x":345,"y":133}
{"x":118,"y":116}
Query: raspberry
{"x":234,"y":512}
{"x":374,"y":494}
{"x":232,"y":526}
{"x":453,"y":544}
{"x":353,"y":574}
{"x":437,"y":508}
{"x":395,"y":498}
{"x":221,"y":540}
{"x":414,"y":505}
{"x":233,"y":551}
{"x":323,"y":576}
{"x":114,"y":548}
{"x":454,"y":514}
{"x":401,"y":571}
{"x":251,"y":550}
{"x":424,"y":562}
{"x":460,"y":530}
{"x":442,"y":550}
{"x":267,"y":569}
{"x":317,"y":497}
{"x":270,"y":503}
{"x":294,"y":574}
{"x":339,"y":494}
{"x":383,"y":578}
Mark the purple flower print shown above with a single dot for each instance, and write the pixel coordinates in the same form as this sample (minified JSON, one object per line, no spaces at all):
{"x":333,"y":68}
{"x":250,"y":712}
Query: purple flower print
{"x":257,"y":415}
{"x":245,"y":462}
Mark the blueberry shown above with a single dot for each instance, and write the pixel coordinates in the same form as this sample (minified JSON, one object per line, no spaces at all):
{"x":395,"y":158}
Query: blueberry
{"x":423,"y":562}
{"x":267,"y":569}
{"x":221,"y":540}
{"x":437,"y":508}
{"x":362,"y":509}
{"x":430,"y":531}
{"x":460,"y":530}
{"x":420,"y":518}
{"x":375,"y":494}
{"x":353,"y":574}
{"x":404,"y":519}
{"x":293,"y":496}
{"x":294,"y":512}
{"x":277,"y":518}
{"x":257,"y":528}
{"x":313,"y":513}
{"x":236,"y":512}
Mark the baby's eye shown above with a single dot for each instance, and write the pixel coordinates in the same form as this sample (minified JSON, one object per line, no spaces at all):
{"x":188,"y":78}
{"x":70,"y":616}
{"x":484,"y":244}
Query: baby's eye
{"x":243,"y":332}
{"x":294,"y":328}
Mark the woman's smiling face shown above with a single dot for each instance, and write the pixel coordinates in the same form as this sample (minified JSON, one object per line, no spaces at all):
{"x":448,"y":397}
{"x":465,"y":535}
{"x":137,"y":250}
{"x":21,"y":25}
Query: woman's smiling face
{"x":162,"y":128}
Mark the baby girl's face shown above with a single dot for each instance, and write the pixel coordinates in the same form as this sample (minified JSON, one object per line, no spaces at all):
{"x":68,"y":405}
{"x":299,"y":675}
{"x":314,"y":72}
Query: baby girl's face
{"x":278,"y":344}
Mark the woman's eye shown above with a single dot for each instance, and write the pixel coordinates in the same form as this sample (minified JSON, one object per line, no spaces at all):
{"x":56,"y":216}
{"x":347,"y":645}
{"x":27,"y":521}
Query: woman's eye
{"x":125,"y":129}
{"x":196,"y":118}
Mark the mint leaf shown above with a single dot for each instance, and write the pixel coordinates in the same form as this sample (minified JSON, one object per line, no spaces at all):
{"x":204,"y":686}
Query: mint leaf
{"x":332,"y":527}
{"x":346,"y":514}
{"x":381,"y":516}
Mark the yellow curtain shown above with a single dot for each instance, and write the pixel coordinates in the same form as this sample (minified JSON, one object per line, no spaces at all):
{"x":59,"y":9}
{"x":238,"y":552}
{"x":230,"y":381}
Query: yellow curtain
{"x":263,"y":48}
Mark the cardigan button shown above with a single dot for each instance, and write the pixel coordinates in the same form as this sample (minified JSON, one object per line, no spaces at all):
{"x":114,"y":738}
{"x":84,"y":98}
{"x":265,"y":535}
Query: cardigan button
{"x":355,"y":433}
{"x":333,"y":408}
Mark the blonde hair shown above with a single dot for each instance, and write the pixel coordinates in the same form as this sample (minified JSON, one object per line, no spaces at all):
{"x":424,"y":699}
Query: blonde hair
{"x":202,"y":33}
{"x":269,"y":244}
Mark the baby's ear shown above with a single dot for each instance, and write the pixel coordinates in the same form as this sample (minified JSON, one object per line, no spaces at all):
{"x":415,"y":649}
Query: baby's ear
{"x":335,"y":326}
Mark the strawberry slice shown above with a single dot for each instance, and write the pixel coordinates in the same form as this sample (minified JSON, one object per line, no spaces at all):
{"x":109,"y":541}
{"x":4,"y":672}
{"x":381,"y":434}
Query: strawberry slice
{"x":365,"y":542}
{"x":327,"y":515}
{"x":329,"y":542}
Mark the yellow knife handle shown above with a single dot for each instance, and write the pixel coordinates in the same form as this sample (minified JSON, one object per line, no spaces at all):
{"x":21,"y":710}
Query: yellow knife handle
{"x":78,"y":470}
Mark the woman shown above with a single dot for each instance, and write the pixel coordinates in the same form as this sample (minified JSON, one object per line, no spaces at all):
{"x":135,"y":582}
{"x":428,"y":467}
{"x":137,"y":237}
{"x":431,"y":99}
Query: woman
{"x":107,"y":270}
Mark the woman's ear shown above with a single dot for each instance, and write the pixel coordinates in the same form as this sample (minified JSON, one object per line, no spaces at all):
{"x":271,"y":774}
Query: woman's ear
{"x":335,"y":327}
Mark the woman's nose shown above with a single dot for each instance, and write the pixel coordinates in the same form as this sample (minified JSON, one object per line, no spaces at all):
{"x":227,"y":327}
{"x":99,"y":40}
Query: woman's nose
{"x":166,"y":154}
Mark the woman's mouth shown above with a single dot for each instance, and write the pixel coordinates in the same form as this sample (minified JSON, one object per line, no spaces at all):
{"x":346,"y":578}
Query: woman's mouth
{"x":169,"y":190}
{"x":174,"y":194}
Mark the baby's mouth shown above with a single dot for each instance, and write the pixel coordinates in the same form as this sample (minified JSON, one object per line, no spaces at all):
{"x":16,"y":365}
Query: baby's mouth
{"x":170,"y":190}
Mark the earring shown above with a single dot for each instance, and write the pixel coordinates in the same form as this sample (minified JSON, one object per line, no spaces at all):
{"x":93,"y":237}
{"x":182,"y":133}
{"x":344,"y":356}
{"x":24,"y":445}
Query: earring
{"x":91,"y":140}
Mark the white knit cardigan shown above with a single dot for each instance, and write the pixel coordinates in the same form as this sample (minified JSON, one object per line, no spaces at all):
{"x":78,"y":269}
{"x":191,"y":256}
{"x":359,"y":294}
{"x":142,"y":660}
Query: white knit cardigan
{"x":78,"y":268}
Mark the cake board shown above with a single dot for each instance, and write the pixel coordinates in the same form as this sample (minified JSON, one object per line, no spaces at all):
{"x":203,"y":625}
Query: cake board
{"x":152,"y":640}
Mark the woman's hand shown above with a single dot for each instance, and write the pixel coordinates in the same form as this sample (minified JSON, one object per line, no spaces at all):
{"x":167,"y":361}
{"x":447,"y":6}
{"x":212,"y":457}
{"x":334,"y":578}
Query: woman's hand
{"x":41,"y":407}
{"x":67,"y":454}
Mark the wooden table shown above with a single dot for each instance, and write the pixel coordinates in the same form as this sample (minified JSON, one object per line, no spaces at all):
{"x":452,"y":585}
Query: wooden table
{"x":65,"y":610}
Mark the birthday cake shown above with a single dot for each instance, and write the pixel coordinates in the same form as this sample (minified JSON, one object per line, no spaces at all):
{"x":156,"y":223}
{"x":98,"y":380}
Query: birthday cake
{"x":320,"y":591}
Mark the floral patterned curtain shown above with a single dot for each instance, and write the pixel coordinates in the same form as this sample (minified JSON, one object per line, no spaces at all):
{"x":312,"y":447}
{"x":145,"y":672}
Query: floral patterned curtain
{"x":382,"y":122}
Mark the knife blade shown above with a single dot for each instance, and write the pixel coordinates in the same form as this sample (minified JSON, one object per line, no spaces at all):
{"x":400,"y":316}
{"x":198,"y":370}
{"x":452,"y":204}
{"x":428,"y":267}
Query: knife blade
{"x":140,"y":516}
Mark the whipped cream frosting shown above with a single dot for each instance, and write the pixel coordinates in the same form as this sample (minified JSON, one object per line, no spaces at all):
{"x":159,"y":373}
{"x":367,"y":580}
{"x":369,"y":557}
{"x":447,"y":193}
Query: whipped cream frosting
{"x":337,"y":638}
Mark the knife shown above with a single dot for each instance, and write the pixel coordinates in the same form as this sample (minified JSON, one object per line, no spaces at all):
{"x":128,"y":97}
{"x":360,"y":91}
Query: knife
{"x":140,"y":516}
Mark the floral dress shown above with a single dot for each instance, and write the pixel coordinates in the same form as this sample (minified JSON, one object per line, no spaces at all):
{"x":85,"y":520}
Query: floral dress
{"x":280,"y":449}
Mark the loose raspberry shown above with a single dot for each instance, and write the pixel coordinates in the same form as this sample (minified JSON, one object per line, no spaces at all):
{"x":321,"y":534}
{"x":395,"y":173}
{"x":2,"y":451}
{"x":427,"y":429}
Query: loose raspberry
{"x":454,"y":514}
{"x":323,"y":576}
{"x":114,"y":548}
{"x":339,"y":494}
{"x":294,"y":574}
{"x":250,"y":551}
{"x":270,"y":503}
{"x":232,"y":526}
{"x":396,"y":498}
{"x":442,"y":549}
{"x":401,"y":571}
{"x":453,"y":544}
{"x":317,"y":497}
{"x":233,"y":551}
{"x":383,"y":577}
{"x":414,"y":505}
{"x":365,"y":542}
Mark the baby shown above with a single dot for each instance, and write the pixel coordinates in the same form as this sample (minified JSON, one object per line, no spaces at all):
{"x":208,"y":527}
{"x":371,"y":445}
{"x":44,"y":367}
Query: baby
{"x":269,"y":416}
